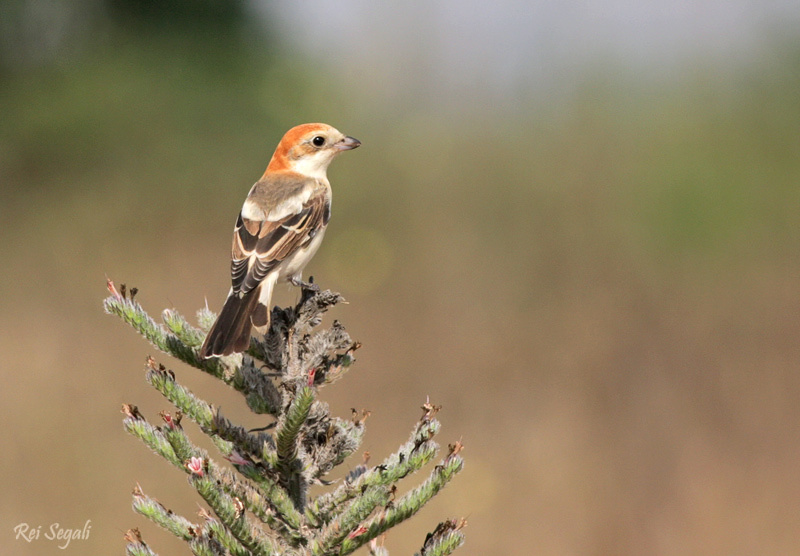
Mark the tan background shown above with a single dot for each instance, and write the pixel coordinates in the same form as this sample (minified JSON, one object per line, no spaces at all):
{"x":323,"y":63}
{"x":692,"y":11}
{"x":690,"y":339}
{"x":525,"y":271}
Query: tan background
{"x":599,"y":282}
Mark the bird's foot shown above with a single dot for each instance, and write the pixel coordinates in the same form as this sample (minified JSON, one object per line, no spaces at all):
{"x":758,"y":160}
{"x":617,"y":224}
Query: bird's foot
{"x":310,"y":285}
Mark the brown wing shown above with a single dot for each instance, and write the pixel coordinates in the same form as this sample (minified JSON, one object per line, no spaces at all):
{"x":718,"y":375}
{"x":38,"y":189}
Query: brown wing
{"x":259,"y":246}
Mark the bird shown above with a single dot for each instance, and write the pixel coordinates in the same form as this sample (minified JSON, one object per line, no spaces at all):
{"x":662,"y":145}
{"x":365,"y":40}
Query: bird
{"x":278,"y":231}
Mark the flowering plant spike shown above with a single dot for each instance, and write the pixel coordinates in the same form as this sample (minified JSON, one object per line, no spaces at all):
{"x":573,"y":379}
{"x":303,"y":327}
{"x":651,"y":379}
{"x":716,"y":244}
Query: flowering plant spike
{"x":256,"y":486}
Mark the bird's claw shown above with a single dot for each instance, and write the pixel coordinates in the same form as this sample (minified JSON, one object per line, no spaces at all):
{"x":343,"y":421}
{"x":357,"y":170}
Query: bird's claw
{"x":310,"y":285}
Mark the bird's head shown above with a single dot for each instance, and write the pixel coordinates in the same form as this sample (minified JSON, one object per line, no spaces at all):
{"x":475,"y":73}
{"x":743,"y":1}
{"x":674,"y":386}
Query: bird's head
{"x":308,"y":149}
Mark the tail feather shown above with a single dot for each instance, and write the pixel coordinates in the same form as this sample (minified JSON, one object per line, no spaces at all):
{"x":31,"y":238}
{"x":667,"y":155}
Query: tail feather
{"x":231,"y":330}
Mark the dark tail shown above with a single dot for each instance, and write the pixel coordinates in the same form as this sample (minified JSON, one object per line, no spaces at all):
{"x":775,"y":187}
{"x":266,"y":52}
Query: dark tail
{"x":231,"y":330}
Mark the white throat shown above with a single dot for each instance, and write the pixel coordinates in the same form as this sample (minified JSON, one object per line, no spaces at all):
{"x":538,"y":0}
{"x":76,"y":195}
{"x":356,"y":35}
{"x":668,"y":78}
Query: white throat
{"x":313,"y":167}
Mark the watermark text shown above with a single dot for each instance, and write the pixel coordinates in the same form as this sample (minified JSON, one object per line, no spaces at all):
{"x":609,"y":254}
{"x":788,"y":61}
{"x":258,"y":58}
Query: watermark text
{"x":55,"y":533}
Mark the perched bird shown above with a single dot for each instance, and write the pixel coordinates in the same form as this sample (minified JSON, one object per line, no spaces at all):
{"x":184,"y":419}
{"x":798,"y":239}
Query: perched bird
{"x":279,"y":229}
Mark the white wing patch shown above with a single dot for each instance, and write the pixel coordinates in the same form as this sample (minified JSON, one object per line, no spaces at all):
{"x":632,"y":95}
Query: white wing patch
{"x":289,"y":206}
{"x":251,"y":211}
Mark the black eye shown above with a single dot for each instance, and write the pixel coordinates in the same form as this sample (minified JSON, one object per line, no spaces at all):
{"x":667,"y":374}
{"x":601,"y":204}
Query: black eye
{"x":318,"y":141}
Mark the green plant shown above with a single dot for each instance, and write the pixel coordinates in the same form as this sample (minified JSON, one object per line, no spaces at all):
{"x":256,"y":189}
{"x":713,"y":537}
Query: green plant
{"x":260,"y":502}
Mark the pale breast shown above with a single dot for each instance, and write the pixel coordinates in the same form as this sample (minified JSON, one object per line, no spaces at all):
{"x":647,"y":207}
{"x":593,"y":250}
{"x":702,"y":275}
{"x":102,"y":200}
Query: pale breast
{"x":296,"y":262}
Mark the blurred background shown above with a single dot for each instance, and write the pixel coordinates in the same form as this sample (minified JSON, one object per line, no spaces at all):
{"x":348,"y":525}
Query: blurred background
{"x":575,"y":225}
